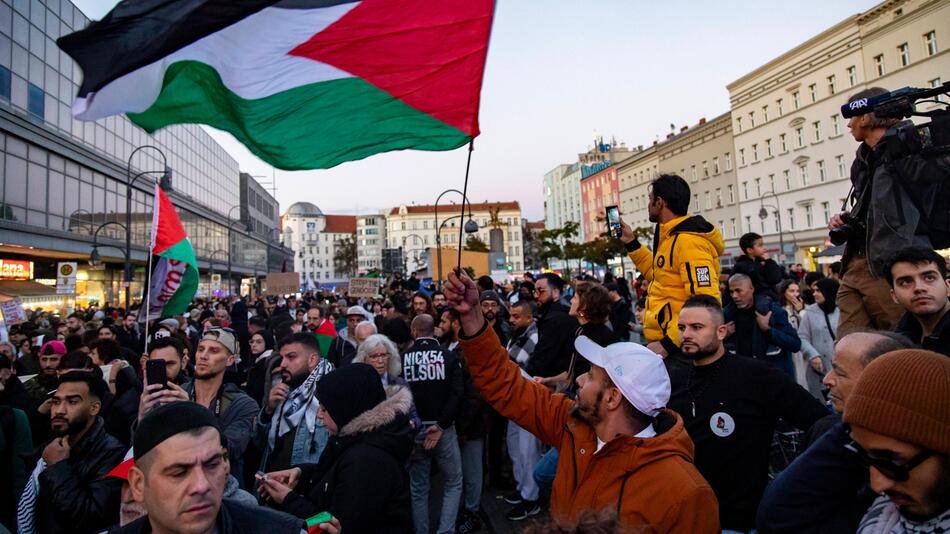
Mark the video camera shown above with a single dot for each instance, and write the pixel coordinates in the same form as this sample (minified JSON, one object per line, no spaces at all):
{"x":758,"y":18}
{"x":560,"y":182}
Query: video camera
{"x":928,"y":139}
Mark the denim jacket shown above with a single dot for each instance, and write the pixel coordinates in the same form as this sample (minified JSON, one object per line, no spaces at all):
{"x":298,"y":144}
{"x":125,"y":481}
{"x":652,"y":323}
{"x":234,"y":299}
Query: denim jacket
{"x":307,"y":447}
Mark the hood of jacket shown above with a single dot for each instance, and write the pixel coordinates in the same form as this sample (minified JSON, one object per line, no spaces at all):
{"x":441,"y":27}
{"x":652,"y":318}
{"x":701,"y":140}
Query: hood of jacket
{"x":671,"y":440}
{"x":398,"y":402}
{"x":695,"y":225}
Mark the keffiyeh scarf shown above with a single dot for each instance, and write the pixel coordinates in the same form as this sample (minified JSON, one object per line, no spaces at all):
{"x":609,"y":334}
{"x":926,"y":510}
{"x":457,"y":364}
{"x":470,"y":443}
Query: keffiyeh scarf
{"x":296,"y":407}
{"x":884,"y":517}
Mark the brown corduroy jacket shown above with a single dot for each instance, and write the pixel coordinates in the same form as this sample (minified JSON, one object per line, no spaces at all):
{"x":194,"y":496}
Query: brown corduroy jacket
{"x":650,"y":483}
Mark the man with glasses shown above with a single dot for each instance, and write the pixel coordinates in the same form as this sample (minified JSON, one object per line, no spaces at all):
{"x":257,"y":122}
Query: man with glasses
{"x":233,"y":409}
{"x":899,"y":413}
{"x":556,"y":329}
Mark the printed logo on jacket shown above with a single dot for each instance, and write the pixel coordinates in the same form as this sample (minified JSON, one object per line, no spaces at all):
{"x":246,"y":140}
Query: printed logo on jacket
{"x":421,"y":365}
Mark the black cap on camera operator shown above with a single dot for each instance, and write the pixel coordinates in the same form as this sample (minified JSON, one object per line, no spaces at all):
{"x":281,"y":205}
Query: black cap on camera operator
{"x":889,"y":207}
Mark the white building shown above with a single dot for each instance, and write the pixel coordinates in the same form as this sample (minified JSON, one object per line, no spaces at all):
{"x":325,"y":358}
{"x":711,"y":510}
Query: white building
{"x":793,"y":149}
{"x":315,"y":238}
{"x":370,"y":241}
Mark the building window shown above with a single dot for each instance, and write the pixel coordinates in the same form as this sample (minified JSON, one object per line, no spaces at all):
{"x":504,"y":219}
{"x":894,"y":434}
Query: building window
{"x":705,"y":169}
{"x":716,"y":165}
{"x":728,"y":161}
{"x":803,"y":174}
{"x":758,"y":187}
{"x":832,"y":84}
{"x":839,"y":163}
{"x":836,"y":124}
{"x":718,"y":197}
{"x":778,"y":105}
{"x":765,"y":113}
{"x":783,"y":143}
{"x":708,"y":200}
{"x":5,"y":82}
{"x":852,"y":75}
{"x":808,"y":216}
{"x":788,"y":179}
{"x":748,"y":223}
{"x":36,"y":102}
{"x":800,"y":136}
{"x":933,"y":83}
{"x":930,"y":42}
{"x":755,"y":152}
{"x":768,"y":148}
{"x":402,"y":225}
{"x":791,"y":218}
{"x":731,"y":191}
{"x":903,"y":51}
{"x":695,"y":202}
{"x":732,"y":224}
{"x":821,"y":170}
{"x":771,"y":183}
{"x":739,"y":124}
{"x":692,"y":171}
{"x":826,"y":211}
{"x":879,"y":65}
{"x":751,"y":119}
{"x":816,"y":128}
{"x":796,"y":100}
{"x":741,"y":157}
{"x":813,"y":92}
{"x":745,"y":190}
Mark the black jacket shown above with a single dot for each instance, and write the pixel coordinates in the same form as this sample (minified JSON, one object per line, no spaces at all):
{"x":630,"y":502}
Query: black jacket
{"x":598,"y":333}
{"x":825,"y":490}
{"x":938,"y":341}
{"x":552,"y":354}
{"x":897,"y":202}
{"x":435,"y":377}
{"x":74,"y":494}
{"x":620,"y":317}
{"x":361,"y":478}
{"x":341,"y":350}
{"x":235,"y":518}
{"x":122,"y":410}
{"x":765,"y":274}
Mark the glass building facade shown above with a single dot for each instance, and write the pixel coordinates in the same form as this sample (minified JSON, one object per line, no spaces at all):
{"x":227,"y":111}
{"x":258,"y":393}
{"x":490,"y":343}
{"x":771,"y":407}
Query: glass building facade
{"x":61,"y":178}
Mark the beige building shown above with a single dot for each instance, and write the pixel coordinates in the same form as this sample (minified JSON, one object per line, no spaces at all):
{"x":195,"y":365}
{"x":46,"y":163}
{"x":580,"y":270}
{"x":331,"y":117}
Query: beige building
{"x":793,"y":149}
{"x":413,"y":228}
{"x":370,"y":241}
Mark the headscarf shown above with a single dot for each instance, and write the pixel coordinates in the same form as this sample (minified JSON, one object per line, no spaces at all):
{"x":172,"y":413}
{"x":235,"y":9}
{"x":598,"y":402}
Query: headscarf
{"x":829,"y":290}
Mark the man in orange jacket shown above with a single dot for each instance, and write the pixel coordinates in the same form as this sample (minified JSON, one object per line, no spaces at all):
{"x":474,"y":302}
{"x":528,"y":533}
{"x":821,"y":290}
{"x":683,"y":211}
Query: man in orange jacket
{"x":620,"y":450}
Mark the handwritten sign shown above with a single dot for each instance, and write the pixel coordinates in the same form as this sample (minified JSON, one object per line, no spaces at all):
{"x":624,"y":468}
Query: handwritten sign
{"x":13,"y":312}
{"x":363,"y":287}
{"x":282,"y":283}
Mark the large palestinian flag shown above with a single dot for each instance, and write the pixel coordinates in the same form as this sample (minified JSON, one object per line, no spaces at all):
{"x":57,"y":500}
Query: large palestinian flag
{"x":303,"y":84}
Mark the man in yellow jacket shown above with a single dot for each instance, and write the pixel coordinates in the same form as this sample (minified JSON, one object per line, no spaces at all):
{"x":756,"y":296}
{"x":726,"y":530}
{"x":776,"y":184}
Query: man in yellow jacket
{"x":684,"y":260}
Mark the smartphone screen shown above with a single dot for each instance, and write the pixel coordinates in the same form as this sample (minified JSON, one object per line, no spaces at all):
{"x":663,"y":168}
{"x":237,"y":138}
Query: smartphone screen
{"x":613,"y":221}
{"x":155,"y":372}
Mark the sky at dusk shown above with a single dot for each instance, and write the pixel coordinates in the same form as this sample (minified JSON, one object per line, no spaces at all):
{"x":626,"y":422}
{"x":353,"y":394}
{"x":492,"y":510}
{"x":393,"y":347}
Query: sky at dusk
{"x":558,"y":73}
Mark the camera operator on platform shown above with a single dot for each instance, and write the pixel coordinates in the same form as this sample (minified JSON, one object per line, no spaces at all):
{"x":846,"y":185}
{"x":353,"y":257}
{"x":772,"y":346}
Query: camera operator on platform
{"x":893,"y":193}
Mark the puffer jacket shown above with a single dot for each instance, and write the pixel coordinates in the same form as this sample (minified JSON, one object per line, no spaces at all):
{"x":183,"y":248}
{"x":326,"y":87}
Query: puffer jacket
{"x":361,"y":478}
{"x":75,"y":495}
{"x":894,"y":199}
{"x":650,"y":483}
{"x":684,"y":262}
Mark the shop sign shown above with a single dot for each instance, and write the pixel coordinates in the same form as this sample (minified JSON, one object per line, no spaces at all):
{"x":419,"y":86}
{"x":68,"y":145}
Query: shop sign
{"x":12,"y":312}
{"x":66,"y":278}
{"x":16,"y":270}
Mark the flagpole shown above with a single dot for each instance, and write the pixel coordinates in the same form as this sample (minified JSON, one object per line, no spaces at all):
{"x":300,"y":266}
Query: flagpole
{"x":148,"y":285}
{"x":468,"y":164}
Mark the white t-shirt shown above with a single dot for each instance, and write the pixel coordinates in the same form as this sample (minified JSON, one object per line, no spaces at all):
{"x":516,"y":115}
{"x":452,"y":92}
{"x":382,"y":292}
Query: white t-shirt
{"x":647,"y":432}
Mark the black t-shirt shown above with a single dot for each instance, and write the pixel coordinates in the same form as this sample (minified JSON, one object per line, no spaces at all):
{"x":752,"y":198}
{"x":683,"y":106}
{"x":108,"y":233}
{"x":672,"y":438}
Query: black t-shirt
{"x":730,"y":409}
{"x":745,"y":325}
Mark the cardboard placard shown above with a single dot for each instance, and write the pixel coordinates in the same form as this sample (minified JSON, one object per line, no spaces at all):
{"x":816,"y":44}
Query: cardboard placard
{"x":363,"y":287}
{"x":12,"y":312}
{"x":282,"y":283}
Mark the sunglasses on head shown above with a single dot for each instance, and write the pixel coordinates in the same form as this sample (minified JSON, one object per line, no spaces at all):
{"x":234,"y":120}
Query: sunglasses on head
{"x":897,"y":471}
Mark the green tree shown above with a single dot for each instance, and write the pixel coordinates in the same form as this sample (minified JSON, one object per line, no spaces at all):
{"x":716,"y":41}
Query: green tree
{"x":554,"y":241}
{"x":474,"y":244}
{"x":344,"y":256}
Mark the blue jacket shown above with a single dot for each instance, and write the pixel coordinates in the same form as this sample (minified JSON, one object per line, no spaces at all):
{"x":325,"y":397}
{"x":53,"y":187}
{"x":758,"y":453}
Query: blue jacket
{"x":823,"y":490}
{"x":773,"y":347}
{"x":307,"y":447}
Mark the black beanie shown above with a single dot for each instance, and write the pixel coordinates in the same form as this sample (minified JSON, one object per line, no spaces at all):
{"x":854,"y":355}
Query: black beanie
{"x":165,"y":421}
{"x":349,"y":391}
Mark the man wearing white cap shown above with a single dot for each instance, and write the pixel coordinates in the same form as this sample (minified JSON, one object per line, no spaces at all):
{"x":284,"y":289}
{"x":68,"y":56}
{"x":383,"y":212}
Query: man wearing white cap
{"x":619,"y":448}
{"x":344,"y":345}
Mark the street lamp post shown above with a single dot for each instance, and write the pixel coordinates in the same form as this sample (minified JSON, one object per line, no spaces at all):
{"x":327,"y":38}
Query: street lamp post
{"x":94,"y":254}
{"x":211,"y":267}
{"x":470,"y":226}
{"x":166,"y":179}
{"x":405,"y":259}
{"x":763,"y":214}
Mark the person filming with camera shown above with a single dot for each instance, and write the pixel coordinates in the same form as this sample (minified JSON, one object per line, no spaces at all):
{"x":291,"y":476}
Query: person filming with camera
{"x":894,"y":191}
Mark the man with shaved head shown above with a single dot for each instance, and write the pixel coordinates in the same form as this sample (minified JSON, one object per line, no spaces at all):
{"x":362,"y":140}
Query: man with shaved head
{"x":434,"y":375}
{"x":766,"y":337}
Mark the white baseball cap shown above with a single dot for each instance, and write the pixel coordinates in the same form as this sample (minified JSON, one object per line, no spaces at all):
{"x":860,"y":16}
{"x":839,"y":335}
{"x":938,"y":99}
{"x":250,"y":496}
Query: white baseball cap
{"x":638,"y":372}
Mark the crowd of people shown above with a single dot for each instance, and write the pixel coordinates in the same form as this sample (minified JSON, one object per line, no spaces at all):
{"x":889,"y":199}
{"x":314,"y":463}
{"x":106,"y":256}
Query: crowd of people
{"x":693,"y":399}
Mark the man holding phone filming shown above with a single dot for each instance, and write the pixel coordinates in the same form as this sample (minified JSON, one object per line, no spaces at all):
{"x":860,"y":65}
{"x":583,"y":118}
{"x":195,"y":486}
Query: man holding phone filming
{"x":684,"y":261}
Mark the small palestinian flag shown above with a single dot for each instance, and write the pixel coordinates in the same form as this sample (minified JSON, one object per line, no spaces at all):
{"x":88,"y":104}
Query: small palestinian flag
{"x":304,"y":84}
{"x":174,"y":278}
{"x":325,"y":334}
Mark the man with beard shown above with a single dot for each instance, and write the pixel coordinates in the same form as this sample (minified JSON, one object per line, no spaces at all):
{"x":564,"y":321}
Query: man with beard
{"x":67,"y":491}
{"x":899,"y":413}
{"x":75,"y":324}
{"x":918,"y":280}
{"x":128,"y":333}
{"x":556,"y":329}
{"x":620,"y":449}
{"x":344,"y":345}
{"x":233,"y":409}
{"x":51,"y":353}
{"x":491,"y":306}
{"x":288,"y":429}
{"x":730,"y":405}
